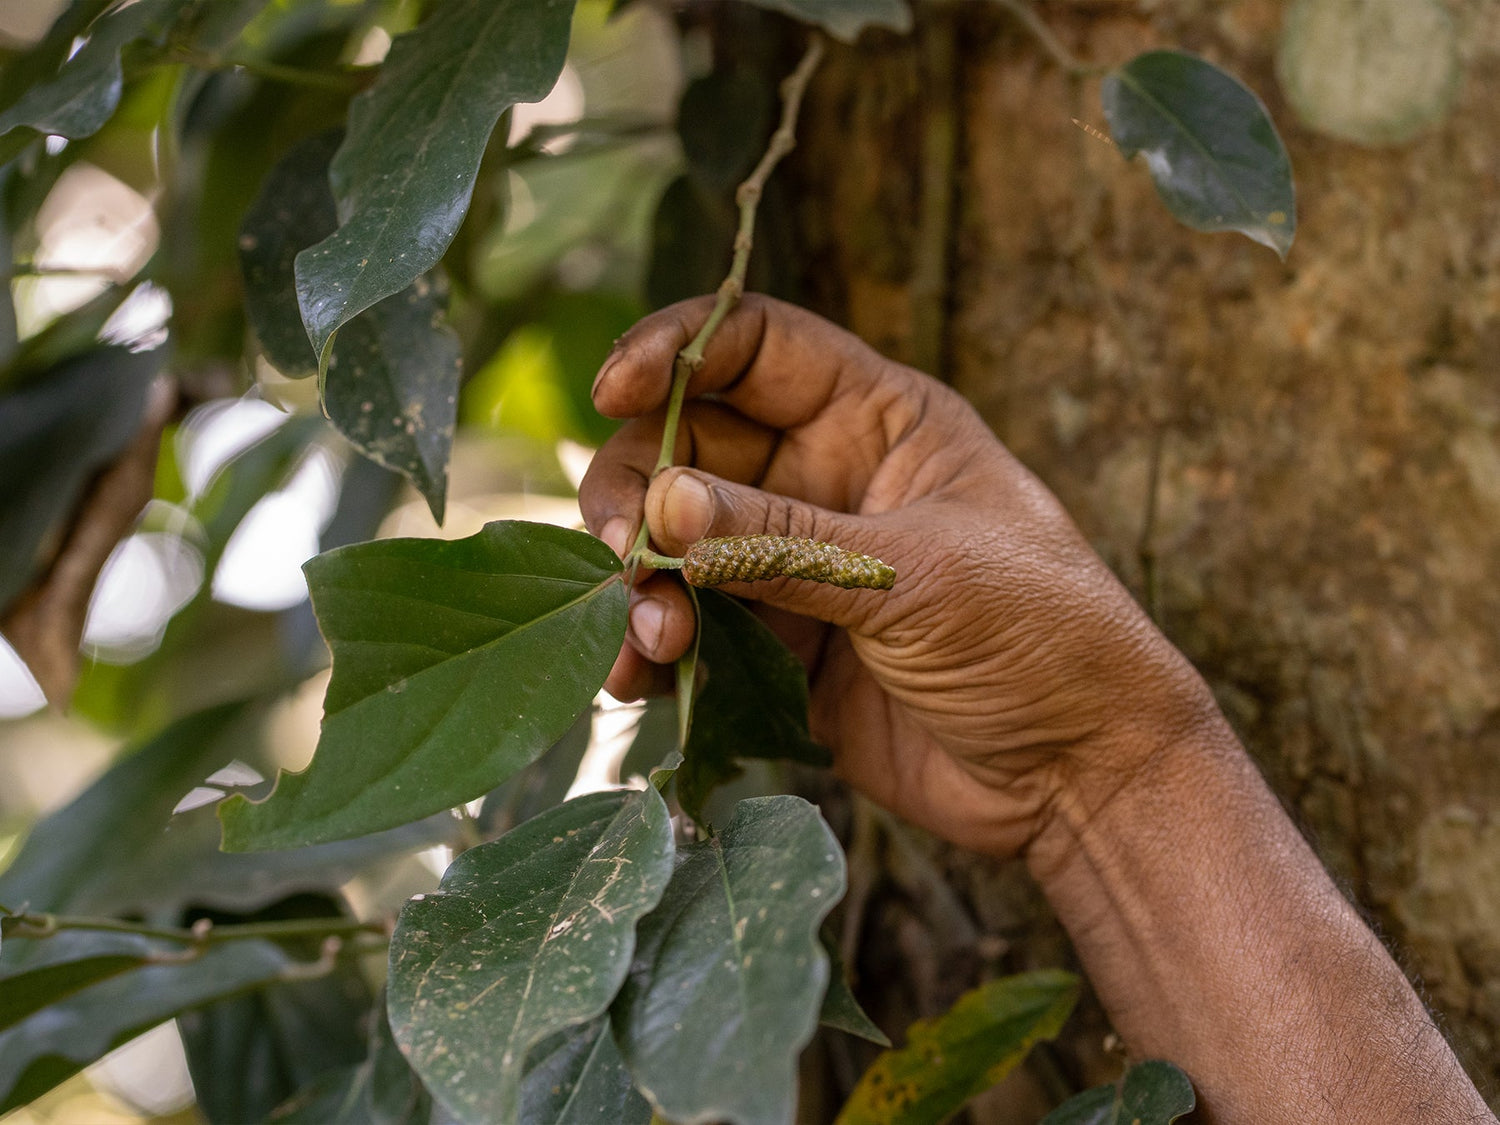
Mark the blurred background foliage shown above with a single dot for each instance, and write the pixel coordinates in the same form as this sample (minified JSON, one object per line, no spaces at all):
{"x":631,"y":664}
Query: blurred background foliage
{"x":123,"y":251}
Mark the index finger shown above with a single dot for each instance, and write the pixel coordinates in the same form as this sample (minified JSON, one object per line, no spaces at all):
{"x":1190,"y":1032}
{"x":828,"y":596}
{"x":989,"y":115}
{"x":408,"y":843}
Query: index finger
{"x":773,"y":362}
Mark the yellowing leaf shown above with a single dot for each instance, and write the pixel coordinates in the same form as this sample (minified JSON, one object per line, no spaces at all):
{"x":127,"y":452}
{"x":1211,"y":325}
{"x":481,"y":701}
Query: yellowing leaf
{"x":965,"y":1051}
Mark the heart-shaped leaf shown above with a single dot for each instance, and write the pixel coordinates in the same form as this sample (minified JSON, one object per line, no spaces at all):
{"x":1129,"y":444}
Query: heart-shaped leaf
{"x":965,"y":1051}
{"x":406,"y":169}
{"x":455,"y":664}
{"x":528,"y":935}
{"x":729,"y":974}
{"x":1208,"y":142}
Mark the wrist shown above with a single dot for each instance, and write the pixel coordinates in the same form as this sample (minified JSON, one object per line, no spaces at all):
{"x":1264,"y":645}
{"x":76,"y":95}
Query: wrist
{"x":1148,"y":769}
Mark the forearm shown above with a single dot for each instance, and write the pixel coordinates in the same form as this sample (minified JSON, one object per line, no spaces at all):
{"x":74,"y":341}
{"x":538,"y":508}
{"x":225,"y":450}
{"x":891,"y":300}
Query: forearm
{"x":1216,"y":940}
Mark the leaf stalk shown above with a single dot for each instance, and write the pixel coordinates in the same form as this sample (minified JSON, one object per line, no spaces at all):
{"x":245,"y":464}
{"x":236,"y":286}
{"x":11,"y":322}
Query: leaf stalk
{"x":732,"y":288}
{"x":202,"y":933}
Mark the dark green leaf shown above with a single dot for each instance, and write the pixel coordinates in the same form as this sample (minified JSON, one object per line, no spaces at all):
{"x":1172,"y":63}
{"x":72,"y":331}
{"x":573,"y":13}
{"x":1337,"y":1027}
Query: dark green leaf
{"x":392,"y":386}
{"x":965,"y":1051}
{"x":78,"y":97}
{"x":248,"y":1054}
{"x":840,"y":1008}
{"x":117,"y":847}
{"x":720,"y":158}
{"x":655,"y":739}
{"x":62,"y":342}
{"x":40,"y":62}
{"x":729,"y":974}
{"x":1209,"y":144}
{"x":393,"y":374}
{"x":293,"y":210}
{"x":1375,"y":72}
{"x":540,"y":785}
{"x":71,"y":859}
{"x":752,"y":703}
{"x":55,"y":434}
{"x":577,"y":1077}
{"x":382,"y":1090}
{"x":528,"y":935}
{"x":57,"y":1042}
{"x":8,"y":338}
{"x":584,"y":327}
{"x":406,"y":169}
{"x":1150,"y":1093}
{"x":845,"y":19}
{"x":455,"y":664}
{"x":31,"y":990}
{"x":691,"y":239}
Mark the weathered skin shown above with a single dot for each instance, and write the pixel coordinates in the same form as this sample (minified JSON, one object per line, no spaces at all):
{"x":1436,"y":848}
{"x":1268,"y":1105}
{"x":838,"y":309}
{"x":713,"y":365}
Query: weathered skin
{"x":1010,"y":696}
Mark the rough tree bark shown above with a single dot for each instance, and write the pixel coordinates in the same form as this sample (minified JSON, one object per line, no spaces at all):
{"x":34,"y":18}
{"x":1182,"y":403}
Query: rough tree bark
{"x":1295,"y":466}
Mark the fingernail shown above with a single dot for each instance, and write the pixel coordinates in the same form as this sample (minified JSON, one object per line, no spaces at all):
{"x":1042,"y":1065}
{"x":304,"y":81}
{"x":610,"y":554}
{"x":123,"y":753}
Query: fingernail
{"x":609,"y":363}
{"x":616,"y":534}
{"x":647,"y":618}
{"x":688,"y":507}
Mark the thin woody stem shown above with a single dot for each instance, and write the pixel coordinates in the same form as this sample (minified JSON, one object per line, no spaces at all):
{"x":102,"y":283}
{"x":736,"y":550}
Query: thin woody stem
{"x":1065,"y":59}
{"x":690,"y":359}
{"x":25,"y":925}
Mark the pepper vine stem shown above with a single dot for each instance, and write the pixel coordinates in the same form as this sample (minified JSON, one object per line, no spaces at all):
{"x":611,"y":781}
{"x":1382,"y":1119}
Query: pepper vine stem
{"x":747,"y":196}
{"x":27,"y":925}
{"x":658,"y":562}
{"x":1064,"y":58}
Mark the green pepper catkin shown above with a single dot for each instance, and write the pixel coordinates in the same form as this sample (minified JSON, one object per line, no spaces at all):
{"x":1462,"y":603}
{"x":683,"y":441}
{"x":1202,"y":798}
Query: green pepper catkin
{"x":748,"y":558}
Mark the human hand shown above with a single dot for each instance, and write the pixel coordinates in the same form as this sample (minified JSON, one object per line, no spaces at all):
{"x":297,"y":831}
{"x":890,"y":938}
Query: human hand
{"x":1007,"y":672}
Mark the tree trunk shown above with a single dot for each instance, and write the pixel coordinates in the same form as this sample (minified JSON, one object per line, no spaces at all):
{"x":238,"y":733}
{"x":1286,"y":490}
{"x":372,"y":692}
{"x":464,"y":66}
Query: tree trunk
{"x":1295,"y":467}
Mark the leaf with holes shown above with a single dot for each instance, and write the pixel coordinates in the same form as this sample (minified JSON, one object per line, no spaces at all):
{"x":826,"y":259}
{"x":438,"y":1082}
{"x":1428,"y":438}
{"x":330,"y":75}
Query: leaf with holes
{"x":965,"y":1051}
{"x":1209,"y":144}
{"x":455,"y":664}
{"x":406,"y":169}
{"x":527,"y":935}
{"x":845,"y":19}
{"x":729,"y":974}
{"x":1150,"y":1093}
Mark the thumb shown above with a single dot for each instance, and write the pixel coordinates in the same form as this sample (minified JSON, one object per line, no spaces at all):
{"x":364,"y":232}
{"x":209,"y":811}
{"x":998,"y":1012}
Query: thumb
{"x":685,"y":505}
